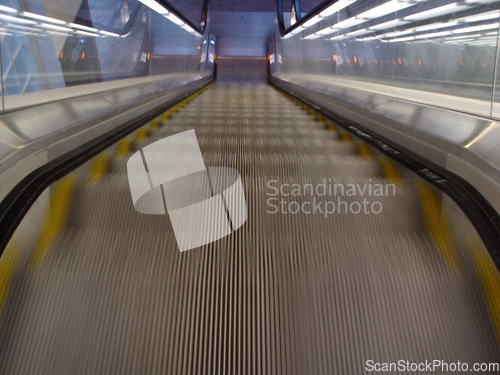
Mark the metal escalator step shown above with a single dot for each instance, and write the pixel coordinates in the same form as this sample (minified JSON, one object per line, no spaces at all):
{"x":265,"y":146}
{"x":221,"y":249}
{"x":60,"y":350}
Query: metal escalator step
{"x":287,"y":293}
{"x":108,"y":206}
{"x":107,"y":307}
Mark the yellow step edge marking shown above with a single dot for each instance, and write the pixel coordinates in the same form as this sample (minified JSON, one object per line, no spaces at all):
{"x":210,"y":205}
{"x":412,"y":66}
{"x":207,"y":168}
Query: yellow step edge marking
{"x":489,"y":279}
{"x":331,"y":126}
{"x":154,"y":124}
{"x":164,"y":116}
{"x":181,"y":104}
{"x":436,"y":225}
{"x":141,"y":134}
{"x":364,"y":151}
{"x":390,"y":172}
{"x":8,"y":264}
{"x":124,"y":147}
{"x":60,"y":202}
{"x":98,"y":168}
{"x":345,"y":137}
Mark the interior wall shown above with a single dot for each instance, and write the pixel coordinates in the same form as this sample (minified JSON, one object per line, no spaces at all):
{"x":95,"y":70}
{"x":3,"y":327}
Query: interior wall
{"x":242,"y":70}
{"x":242,"y":34}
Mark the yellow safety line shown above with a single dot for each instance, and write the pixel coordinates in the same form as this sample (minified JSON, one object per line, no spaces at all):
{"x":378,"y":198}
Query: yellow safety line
{"x":154,"y":124}
{"x":489,"y":279}
{"x":98,"y":168}
{"x":331,"y":126}
{"x":141,"y":134}
{"x":165,"y":115}
{"x":364,"y":151}
{"x":124,"y":147}
{"x":345,"y":137}
{"x":60,"y":203}
{"x":317,"y":116}
{"x":8,"y":264}
{"x":436,"y":225}
{"x":390,"y":172}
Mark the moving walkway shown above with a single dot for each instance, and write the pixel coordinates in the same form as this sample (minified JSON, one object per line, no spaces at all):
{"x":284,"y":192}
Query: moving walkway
{"x":325,"y":276}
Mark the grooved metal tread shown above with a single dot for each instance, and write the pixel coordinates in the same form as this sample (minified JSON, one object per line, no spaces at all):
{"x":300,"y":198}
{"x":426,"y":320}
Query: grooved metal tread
{"x":284,"y":294}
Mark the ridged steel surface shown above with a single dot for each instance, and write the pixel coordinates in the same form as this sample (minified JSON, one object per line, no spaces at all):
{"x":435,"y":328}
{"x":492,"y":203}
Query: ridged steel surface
{"x":284,"y":294}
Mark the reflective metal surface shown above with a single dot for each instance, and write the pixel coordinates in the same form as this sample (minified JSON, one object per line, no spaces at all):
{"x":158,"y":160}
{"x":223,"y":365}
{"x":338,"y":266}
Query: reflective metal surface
{"x":413,"y":72}
{"x":55,"y":129}
{"x":440,"y":47}
{"x":52,"y":45}
{"x":468,"y":150}
{"x":289,"y":293}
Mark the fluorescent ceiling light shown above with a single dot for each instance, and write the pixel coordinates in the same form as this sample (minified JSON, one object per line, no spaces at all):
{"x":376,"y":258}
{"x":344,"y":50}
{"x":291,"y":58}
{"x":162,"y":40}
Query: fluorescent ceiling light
{"x":359,"y":32}
{"x":107,"y":33}
{"x":476,"y":28}
{"x":312,"y":21}
{"x":432,"y":35}
{"x":483,"y":42}
{"x":174,"y":19}
{"x":388,"y":25}
{"x":434,"y":26}
{"x":293,"y":32}
{"x":16,"y":19}
{"x":488,"y":39}
{"x":56,"y":28}
{"x":42,"y":18}
{"x":58,"y":33}
{"x":188,"y":28}
{"x":7,"y":9}
{"x":81,"y":27}
{"x":312,"y":36}
{"x":19,"y":27}
{"x":152,"y":4}
{"x":84,"y":33}
{"x":397,"y":33}
{"x":297,"y":30}
{"x":483,"y":17}
{"x":334,"y":8}
{"x":389,"y":7}
{"x":436,"y":12}
{"x":338,"y":37}
{"x":480,"y":1}
{"x":402,"y":39}
{"x":328,"y":30}
{"x":449,"y":40}
{"x":459,"y":37}
{"x":348,"y":23}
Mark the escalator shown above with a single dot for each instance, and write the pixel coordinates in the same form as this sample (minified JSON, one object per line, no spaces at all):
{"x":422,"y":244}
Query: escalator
{"x":295,"y":290}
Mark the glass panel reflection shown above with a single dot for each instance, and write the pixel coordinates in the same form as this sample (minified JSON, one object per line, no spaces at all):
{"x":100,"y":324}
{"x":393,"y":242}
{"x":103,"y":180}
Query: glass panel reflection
{"x":55,"y":45}
{"x":440,"y":47}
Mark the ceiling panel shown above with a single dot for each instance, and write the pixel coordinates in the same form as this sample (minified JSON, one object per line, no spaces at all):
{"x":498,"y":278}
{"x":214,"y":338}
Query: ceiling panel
{"x":191,"y":9}
{"x":242,"y":5}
